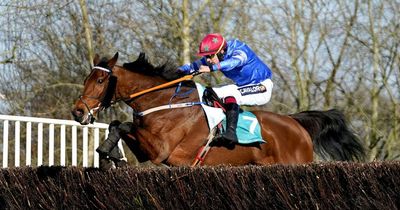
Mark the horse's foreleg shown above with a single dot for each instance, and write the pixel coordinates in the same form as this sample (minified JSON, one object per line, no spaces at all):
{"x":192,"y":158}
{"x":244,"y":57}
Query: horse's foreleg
{"x":112,"y":139}
{"x":110,"y":154}
{"x":115,"y":159}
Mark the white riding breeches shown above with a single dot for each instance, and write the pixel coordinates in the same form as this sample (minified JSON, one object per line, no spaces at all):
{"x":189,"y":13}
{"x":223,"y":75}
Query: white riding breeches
{"x":253,"y":94}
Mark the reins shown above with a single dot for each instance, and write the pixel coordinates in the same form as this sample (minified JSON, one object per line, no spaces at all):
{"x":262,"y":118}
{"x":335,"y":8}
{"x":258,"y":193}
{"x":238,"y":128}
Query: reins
{"x":184,"y":78}
{"x":168,"y":106}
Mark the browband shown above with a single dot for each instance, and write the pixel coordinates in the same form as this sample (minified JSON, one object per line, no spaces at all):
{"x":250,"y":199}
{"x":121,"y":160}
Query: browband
{"x":101,"y":68}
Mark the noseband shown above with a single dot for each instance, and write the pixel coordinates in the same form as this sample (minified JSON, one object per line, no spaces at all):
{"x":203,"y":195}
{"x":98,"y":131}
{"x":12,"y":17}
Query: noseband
{"x":105,"y":102}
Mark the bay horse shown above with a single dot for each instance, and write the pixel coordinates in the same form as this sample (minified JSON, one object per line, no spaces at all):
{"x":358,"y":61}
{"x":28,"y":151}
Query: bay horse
{"x":174,"y":136}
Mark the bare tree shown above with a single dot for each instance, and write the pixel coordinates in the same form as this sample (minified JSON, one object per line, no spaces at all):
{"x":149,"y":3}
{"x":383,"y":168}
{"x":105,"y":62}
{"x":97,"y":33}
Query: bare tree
{"x":293,"y":44}
{"x":348,"y":19}
{"x":323,"y":54}
{"x":88,"y":31}
{"x":372,"y":78}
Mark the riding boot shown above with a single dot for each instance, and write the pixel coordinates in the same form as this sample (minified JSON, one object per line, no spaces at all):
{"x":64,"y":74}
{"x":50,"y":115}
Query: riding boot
{"x":232,"y":115}
{"x":113,"y":137}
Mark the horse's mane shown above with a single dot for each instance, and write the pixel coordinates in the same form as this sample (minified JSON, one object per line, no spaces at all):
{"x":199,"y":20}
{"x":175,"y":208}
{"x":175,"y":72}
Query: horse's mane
{"x":143,"y":66}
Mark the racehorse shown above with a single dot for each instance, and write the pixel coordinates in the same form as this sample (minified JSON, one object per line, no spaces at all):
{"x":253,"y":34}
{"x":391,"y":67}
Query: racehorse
{"x":175,"y":136}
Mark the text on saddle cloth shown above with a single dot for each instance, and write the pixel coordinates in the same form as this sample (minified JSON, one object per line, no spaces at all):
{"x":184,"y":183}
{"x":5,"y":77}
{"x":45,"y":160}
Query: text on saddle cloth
{"x":248,"y":128}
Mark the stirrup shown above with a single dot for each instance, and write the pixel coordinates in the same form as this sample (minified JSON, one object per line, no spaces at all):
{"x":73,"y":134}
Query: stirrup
{"x":230,"y":137}
{"x":222,"y":140}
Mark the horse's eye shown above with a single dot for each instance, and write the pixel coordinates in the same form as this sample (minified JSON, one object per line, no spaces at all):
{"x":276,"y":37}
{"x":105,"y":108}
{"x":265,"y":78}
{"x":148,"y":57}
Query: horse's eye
{"x":99,"y":81}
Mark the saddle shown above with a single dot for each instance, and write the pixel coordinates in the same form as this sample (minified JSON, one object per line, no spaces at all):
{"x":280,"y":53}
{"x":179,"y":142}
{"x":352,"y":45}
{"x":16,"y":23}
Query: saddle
{"x":210,"y":98}
{"x":248,"y":128}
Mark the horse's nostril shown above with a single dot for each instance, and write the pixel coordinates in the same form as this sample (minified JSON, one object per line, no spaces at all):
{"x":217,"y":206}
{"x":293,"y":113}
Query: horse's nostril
{"x":77,"y":113}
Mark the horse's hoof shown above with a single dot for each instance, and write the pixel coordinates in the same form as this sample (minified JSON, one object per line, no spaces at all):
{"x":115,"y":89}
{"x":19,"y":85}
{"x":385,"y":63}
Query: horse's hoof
{"x":106,"y":164}
{"x":121,"y":164}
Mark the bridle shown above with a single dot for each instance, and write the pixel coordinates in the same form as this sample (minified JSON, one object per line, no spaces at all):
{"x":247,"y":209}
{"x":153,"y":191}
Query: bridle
{"x":105,"y":99}
{"x":105,"y":102}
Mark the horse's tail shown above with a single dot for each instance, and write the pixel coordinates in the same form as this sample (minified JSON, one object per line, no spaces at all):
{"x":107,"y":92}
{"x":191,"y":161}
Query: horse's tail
{"x":332,"y":138}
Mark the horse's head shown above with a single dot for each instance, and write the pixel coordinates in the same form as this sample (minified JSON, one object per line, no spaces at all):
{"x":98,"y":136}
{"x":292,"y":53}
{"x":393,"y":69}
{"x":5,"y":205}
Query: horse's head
{"x":99,"y":90}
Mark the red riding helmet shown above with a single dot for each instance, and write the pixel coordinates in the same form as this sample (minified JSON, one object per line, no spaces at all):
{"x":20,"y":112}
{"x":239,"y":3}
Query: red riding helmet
{"x":211,"y":44}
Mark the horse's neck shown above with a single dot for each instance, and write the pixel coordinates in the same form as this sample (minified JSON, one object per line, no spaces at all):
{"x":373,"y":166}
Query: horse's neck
{"x":131,"y":82}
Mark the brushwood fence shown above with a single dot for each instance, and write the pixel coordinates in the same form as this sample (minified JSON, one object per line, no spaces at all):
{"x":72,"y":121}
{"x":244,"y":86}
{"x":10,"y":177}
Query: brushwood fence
{"x":332,"y":185}
{"x":32,"y":141}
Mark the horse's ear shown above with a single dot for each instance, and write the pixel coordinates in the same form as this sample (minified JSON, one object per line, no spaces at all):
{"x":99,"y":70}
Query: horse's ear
{"x":96,"y":59}
{"x":113,"y":61}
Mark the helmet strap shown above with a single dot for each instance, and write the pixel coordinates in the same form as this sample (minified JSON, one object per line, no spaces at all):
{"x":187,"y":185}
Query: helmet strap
{"x":220,"y":47}
{"x":221,"y":55}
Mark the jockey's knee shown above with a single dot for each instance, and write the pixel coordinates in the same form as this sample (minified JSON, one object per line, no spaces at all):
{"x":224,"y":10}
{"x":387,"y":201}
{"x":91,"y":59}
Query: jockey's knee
{"x":230,"y":100}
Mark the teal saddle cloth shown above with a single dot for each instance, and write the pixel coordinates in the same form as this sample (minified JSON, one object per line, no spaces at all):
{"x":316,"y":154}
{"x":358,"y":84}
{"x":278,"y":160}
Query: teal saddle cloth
{"x":248,"y":129}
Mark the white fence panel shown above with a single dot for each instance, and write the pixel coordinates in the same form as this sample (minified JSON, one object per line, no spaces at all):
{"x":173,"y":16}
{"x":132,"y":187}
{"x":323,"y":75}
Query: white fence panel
{"x":5,"y":143}
{"x":50,"y":142}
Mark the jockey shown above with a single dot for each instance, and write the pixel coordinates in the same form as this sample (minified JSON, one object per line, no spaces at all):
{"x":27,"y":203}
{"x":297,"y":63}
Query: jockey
{"x":252,"y":77}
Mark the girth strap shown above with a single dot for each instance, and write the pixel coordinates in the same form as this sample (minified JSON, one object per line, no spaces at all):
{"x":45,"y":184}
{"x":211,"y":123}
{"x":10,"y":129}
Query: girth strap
{"x":169,"y":106}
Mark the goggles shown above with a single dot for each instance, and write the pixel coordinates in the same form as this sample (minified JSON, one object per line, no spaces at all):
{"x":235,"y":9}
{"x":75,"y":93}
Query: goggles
{"x":210,"y":56}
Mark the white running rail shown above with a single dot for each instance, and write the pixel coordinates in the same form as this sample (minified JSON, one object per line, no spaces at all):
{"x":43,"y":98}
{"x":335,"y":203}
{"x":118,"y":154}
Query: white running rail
{"x":45,"y":139}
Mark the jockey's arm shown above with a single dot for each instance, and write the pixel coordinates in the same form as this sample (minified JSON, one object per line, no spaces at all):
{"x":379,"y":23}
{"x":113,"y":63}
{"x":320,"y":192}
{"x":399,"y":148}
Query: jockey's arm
{"x":239,"y":58}
{"x":189,"y":68}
